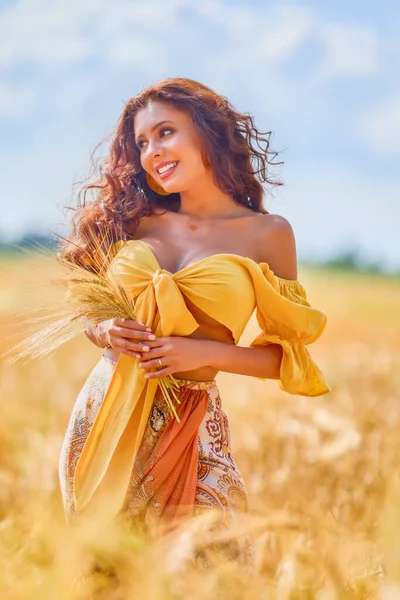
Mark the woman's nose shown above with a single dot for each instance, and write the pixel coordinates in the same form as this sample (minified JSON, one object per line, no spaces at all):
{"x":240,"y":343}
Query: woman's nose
{"x":153,"y":148}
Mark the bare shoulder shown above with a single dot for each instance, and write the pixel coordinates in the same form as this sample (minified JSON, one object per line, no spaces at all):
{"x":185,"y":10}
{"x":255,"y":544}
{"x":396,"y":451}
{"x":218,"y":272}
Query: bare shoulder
{"x":277,"y":245}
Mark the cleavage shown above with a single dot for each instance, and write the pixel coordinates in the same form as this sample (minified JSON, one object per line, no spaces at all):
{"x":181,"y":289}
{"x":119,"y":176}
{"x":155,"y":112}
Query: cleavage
{"x":158,"y":249}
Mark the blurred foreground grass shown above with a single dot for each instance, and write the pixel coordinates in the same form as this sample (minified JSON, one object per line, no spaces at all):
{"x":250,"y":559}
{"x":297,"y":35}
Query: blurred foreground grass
{"x":322,"y":473}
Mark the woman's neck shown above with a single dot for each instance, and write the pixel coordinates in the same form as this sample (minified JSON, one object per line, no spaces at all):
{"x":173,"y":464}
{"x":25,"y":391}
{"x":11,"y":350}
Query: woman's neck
{"x":207,"y":201}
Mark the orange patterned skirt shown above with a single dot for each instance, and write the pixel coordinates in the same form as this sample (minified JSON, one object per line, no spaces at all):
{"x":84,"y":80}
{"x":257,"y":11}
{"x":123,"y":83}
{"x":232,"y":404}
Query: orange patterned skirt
{"x":159,"y":483}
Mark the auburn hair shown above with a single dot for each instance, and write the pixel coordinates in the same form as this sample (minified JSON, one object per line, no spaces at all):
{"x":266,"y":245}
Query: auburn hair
{"x":239,"y":155}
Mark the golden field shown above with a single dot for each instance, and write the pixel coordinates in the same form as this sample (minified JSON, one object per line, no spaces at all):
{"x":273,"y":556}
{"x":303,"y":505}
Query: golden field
{"x":322,"y":473}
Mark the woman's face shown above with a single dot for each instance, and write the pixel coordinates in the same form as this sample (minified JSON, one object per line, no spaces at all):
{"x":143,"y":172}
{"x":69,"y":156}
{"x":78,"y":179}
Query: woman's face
{"x":164,"y":136}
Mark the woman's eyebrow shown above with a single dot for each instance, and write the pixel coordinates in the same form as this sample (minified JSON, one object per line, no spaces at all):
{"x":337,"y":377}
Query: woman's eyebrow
{"x":154,"y":127}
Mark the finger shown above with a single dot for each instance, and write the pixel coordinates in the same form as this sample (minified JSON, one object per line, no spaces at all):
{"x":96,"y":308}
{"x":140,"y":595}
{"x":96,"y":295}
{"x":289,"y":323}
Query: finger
{"x":152,"y":352}
{"x":132,"y":333}
{"x":157,"y":374}
{"x":143,"y":351}
{"x":157,"y":343}
{"x":152,"y":364}
{"x":130,"y":324}
{"x":124,"y":344}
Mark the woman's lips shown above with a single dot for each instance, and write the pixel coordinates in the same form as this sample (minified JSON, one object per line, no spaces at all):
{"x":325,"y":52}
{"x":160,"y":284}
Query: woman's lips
{"x":167,"y":173}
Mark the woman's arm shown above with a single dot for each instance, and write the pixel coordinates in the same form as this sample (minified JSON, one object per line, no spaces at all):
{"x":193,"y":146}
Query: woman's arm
{"x":180,"y":354}
{"x":257,"y":362}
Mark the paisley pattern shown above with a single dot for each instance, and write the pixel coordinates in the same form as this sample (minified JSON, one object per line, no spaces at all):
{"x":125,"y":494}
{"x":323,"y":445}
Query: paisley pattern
{"x":219,"y":482}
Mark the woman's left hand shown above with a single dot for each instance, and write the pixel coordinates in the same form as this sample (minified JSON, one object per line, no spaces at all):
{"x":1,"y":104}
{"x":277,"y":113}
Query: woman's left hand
{"x":174,"y":354}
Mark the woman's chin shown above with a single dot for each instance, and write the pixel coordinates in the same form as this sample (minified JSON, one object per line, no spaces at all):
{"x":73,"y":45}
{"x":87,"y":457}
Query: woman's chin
{"x":172,"y":189}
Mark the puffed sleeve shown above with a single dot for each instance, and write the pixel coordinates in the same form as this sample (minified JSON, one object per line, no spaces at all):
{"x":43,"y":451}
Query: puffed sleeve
{"x":286,"y":317}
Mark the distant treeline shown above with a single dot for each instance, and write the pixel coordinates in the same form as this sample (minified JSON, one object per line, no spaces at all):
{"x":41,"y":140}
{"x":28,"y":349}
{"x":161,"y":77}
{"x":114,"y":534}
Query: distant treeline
{"x":29,"y":241}
{"x":344,"y":260}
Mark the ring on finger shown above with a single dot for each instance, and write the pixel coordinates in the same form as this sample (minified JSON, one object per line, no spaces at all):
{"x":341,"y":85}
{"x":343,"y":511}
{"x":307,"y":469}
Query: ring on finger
{"x":160,"y":362}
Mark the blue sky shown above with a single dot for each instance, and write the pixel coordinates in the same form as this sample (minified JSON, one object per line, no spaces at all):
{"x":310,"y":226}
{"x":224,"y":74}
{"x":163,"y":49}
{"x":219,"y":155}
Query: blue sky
{"x":323,"y":76}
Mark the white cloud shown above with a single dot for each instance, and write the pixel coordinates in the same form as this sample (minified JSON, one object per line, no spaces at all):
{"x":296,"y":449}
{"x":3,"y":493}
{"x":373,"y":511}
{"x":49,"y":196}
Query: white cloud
{"x":349,"y":51}
{"x":41,"y":31}
{"x":15,"y":99}
{"x":53,"y":31}
{"x":380,"y":127}
{"x":258,"y":36}
{"x":56,"y":31}
{"x":283,"y":31}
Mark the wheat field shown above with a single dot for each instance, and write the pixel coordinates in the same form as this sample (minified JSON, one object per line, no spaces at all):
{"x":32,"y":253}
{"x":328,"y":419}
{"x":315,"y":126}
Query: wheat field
{"x":322,"y":474}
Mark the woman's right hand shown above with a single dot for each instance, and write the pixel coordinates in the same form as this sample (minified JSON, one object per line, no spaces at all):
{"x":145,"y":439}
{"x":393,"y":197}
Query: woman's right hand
{"x":124,"y":335}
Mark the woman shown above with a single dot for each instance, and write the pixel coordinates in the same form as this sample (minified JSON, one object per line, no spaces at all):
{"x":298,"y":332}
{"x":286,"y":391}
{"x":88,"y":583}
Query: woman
{"x":198,"y":253}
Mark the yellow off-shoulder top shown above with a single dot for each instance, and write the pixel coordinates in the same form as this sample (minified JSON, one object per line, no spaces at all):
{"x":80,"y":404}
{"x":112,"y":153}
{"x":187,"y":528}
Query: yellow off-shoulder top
{"x":228,"y":288}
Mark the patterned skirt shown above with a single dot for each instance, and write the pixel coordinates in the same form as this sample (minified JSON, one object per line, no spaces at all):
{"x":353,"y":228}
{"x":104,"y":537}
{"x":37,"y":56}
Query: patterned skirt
{"x":219,"y":484}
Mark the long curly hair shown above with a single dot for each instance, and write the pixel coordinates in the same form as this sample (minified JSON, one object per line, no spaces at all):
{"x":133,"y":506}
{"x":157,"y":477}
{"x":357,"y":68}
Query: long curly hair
{"x":239,"y":155}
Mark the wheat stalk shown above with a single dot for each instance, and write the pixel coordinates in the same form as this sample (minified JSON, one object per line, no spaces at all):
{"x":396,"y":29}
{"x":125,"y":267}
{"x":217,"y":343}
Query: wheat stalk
{"x":89,"y":297}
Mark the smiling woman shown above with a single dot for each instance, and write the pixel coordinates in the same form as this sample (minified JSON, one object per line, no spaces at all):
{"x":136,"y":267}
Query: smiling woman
{"x":212,"y":139}
{"x":180,"y":199}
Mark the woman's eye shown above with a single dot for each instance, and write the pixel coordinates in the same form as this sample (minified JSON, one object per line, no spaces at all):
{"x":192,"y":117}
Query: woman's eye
{"x":166,"y":129}
{"x":141,"y":142}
